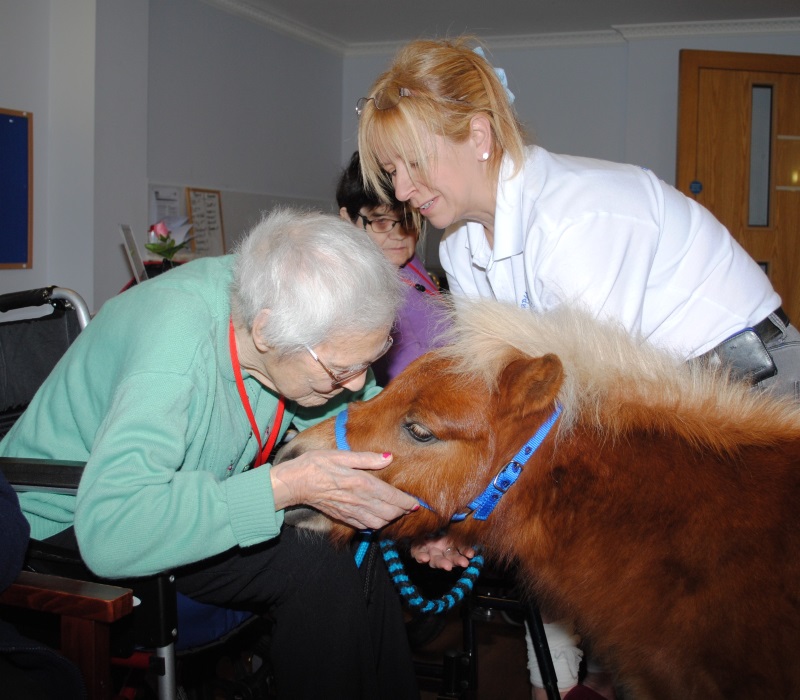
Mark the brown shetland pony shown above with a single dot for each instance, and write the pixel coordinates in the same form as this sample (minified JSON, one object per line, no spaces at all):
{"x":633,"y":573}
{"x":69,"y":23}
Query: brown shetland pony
{"x":660,"y":512}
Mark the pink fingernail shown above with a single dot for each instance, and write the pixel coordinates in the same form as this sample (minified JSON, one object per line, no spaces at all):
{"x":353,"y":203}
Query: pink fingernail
{"x":386,"y":455}
{"x":415,"y":507}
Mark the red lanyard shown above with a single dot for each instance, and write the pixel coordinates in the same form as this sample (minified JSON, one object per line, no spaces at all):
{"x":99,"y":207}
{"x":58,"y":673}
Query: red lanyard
{"x":425,"y":279}
{"x":263,"y":452}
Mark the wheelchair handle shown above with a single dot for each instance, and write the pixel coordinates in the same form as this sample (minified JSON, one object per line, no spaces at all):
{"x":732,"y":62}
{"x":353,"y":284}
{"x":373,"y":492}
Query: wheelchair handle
{"x":29,"y":297}
{"x":53,"y":295}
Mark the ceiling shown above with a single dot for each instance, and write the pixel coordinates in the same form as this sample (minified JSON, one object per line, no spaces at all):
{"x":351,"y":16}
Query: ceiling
{"x":348,"y":25}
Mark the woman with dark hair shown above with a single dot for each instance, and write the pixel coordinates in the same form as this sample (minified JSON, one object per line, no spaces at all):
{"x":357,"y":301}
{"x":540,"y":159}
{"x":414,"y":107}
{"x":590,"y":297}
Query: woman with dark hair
{"x":396,"y":232}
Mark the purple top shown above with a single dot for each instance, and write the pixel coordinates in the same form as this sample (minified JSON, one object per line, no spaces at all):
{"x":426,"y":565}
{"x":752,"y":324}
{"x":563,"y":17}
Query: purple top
{"x":417,"y":323}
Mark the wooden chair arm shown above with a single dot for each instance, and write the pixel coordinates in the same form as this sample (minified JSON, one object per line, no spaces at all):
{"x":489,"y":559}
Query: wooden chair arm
{"x":64,"y":596}
{"x":86,"y":611}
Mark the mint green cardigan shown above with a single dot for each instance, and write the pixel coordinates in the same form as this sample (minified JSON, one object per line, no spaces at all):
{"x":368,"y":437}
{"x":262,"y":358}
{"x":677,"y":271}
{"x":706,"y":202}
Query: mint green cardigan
{"x":146,"y":396}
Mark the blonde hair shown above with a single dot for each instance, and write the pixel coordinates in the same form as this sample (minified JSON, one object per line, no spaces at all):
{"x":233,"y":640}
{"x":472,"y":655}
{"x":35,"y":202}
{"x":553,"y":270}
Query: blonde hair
{"x":446,"y":84}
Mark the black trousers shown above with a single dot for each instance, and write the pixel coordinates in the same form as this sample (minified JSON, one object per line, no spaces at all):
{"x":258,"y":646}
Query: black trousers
{"x":31,"y":671}
{"x":339,"y":632}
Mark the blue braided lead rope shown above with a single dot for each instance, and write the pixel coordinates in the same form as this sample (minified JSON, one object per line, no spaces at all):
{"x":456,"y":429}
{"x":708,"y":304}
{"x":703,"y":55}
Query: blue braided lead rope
{"x":410,"y":593}
{"x":363,"y":546}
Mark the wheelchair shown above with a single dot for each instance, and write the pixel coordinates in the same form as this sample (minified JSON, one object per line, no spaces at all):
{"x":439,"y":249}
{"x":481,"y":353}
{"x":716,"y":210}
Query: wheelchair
{"x":166,"y":629}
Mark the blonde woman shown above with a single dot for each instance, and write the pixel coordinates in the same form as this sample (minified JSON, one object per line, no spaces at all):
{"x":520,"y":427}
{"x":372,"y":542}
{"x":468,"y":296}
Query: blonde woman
{"x":538,"y":229}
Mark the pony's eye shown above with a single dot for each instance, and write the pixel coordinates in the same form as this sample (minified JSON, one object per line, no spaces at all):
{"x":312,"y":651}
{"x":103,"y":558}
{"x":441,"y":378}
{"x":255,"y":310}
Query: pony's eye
{"x":419,"y":432}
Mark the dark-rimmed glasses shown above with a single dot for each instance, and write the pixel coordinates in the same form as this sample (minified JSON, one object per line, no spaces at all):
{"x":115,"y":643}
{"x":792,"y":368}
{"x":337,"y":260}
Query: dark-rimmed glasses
{"x":340,"y":378}
{"x":383,"y":224}
{"x":383,"y":99}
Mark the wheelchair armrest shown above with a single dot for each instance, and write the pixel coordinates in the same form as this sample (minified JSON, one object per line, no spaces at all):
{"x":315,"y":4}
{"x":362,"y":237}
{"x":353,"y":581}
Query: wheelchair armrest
{"x":86,"y":600}
{"x":51,"y":475}
{"x":157,"y":620}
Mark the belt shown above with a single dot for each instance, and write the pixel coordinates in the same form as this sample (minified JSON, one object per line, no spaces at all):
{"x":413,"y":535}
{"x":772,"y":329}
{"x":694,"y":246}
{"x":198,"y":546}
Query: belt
{"x":769,"y":330}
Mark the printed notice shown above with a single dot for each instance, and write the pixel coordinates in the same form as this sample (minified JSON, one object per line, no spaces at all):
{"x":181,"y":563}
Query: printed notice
{"x":205,"y":213}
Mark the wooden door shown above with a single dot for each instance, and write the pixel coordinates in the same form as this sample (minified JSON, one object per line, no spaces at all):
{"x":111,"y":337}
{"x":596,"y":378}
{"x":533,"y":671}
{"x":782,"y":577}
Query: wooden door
{"x":739,"y":115}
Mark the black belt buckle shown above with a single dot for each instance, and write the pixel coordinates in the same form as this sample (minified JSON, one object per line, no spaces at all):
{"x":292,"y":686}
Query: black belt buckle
{"x":746,"y":356}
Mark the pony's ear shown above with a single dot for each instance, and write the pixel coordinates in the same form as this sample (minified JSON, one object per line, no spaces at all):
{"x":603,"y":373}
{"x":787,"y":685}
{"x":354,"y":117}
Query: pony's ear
{"x":529,"y":385}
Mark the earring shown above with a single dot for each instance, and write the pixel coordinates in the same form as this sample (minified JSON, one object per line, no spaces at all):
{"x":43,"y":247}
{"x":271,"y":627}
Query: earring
{"x":485,"y":156}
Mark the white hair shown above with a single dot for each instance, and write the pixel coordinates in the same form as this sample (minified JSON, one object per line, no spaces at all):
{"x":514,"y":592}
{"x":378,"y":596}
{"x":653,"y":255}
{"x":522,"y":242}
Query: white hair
{"x":319,"y":276}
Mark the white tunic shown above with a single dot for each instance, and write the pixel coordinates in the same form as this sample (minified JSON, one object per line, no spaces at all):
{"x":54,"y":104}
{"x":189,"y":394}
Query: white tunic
{"x":616,"y":240}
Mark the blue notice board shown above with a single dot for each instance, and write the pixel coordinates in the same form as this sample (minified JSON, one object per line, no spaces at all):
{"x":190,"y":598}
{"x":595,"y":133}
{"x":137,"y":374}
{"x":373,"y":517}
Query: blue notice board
{"x":16,"y":189}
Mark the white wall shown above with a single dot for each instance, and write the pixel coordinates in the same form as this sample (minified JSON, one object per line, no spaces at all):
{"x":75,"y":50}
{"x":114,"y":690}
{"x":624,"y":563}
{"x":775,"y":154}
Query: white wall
{"x":613,"y":100}
{"x":616,"y":100}
{"x":234,"y":105}
{"x":120,"y":138}
{"x":126,"y":93}
{"x":47,"y":64}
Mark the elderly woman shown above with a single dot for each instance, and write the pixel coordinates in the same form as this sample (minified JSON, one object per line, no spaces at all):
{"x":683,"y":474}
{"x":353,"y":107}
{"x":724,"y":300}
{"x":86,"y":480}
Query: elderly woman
{"x":174,"y":396}
{"x":395,"y":232}
{"x":539,"y":229}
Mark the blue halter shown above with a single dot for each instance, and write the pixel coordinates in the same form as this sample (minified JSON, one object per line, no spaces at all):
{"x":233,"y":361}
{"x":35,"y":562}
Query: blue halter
{"x":483,"y":505}
{"x":480,"y":508}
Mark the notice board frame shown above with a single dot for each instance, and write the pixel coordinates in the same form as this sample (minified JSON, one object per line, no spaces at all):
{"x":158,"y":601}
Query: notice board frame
{"x":16,"y":189}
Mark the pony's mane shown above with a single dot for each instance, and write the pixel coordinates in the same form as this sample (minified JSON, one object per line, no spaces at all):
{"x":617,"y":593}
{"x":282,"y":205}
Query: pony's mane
{"x":614,"y":380}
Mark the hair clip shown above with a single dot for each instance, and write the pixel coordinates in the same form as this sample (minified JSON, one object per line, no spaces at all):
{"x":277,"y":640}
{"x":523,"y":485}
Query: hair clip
{"x":501,"y":74}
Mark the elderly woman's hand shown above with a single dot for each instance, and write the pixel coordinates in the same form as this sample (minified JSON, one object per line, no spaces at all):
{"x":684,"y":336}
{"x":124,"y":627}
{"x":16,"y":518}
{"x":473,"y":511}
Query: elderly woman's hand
{"x":338,"y":483}
{"x":441,"y":553}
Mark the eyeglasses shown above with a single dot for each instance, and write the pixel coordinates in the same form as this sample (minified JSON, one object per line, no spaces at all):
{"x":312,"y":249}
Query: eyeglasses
{"x":383,"y":99}
{"x":340,"y":378}
{"x":382,"y":224}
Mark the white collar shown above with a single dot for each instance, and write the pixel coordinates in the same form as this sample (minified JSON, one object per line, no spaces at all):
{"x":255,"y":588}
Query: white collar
{"x":509,"y":216}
